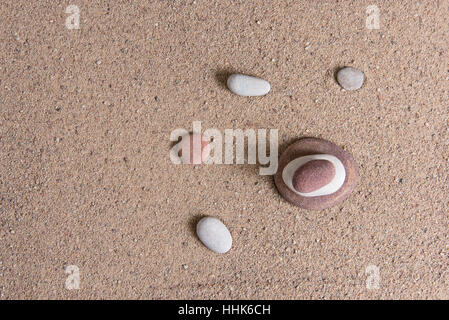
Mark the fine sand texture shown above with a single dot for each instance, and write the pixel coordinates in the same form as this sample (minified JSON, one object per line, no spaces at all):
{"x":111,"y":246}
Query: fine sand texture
{"x":88,"y":190}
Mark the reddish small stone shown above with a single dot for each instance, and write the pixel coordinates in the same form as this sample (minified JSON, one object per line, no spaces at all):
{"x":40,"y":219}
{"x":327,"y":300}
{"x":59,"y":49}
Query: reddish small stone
{"x":191,"y":157}
{"x":313,"y":175}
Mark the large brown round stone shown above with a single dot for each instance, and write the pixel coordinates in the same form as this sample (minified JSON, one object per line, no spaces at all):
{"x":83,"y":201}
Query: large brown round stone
{"x":309,"y":146}
{"x":313,"y":175}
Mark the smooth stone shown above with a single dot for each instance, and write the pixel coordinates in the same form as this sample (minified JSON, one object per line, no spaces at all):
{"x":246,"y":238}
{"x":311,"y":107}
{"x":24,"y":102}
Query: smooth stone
{"x":298,"y":154}
{"x":350,"y":78}
{"x":248,"y":86}
{"x":333,"y":186}
{"x":214,"y":234}
{"x":313,"y":175}
{"x":194,"y":156}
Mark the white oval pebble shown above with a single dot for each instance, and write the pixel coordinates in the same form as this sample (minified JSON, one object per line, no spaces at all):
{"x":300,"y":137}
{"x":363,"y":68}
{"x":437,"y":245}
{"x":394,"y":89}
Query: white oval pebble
{"x":337,"y":181}
{"x":248,"y":86}
{"x":214,"y":234}
{"x":350,"y":78}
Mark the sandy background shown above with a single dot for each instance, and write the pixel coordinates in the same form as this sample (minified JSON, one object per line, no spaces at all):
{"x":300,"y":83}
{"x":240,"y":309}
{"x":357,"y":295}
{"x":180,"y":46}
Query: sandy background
{"x":85,"y":173}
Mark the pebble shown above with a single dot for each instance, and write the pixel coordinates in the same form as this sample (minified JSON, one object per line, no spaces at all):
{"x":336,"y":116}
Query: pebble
{"x":191,"y":157}
{"x":350,"y":78}
{"x":313,"y":175}
{"x":248,"y":86}
{"x":214,"y":234}
{"x":325,"y":175}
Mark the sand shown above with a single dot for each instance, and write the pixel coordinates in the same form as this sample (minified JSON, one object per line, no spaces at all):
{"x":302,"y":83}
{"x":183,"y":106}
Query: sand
{"x":86,"y":178}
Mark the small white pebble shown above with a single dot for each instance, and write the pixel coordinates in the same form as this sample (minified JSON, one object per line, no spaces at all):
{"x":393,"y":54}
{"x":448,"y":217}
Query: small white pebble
{"x":248,"y":86}
{"x":350,"y":78}
{"x":214,"y":234}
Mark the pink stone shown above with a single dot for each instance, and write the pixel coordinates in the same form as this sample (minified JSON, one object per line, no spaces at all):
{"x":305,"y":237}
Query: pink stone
{"x":313,"y":175}
{"x":191,"y":157}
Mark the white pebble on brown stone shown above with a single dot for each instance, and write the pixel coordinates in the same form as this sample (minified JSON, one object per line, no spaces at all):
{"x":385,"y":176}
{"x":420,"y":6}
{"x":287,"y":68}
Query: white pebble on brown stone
{"x":214,"y":234}
{"x":323,"y":178}
{"x":248,"y":86}
{"x":350,"y":78}
{"x":313,"y":175}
